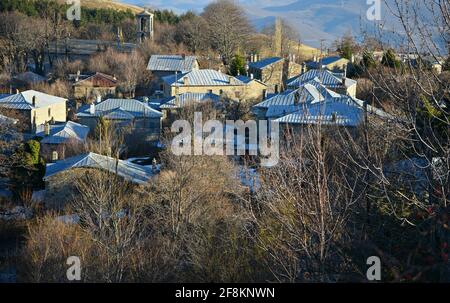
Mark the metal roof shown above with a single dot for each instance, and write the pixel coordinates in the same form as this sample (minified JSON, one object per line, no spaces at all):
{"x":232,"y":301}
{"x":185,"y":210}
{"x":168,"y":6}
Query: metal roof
{"x":284,"y":103}
{"x":265,"y":62}
{"x":30,"y":77}
{"x":24,"y":100}
{"x":129,"y":171}
{"x":60,"y":133}
{"x":171,"y":63}
{"x":204,"y":77}
{"x":120,"y":109}
{"x":189,"y":98}
{"x":325,"y":61}
{"x":329,"y":112}
{"x":327,"y":78}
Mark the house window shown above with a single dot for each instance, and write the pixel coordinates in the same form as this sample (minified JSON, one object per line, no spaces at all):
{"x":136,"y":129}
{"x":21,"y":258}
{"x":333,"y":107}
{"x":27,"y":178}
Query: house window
{"x":333,"y":117}
{"x":221,"y":92}
{"x":237,"y":94}
{"x":210,"y":91}
{"x":54,"y":156}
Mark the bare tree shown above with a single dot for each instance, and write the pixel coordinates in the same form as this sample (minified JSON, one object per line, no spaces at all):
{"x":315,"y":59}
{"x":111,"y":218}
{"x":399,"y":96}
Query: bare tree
{"x":228,"y":27}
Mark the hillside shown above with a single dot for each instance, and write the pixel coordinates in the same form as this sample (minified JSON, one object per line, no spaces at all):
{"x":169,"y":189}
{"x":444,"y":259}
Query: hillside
{"x":108,"y":4}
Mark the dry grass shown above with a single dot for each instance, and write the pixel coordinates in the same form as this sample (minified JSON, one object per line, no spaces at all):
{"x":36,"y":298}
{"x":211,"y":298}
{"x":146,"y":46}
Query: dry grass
{"x":108,"y":4}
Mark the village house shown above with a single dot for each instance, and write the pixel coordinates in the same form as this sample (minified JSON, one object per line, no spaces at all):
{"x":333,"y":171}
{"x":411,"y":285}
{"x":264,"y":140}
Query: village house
{"x":332,"y":63}
{"x":173,"y":104}
{"x":143,"y":122}
{"x":274,"y":72}
{"x":62,"y":140}
{"x":213,"y":82}
{"x":34,"y":108}
{"x":337,"y":82}
{"x":313,"y":103}
{"x":61,"y":176}
{"x":166,"y":65}
{"x":90,"y":87}
{"x":26,"y":80}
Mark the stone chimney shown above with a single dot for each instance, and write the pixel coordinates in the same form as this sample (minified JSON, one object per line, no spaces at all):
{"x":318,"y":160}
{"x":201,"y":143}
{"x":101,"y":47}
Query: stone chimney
{"x":186,"y":80}
{"x":17,"y":91}
{"x":92,"y":109}
{"x":303,"y":67}
{"x":47,"y":129}
{"x":252,"y":76}
{"x":230,"y":79}
{"x":99,"y":98}
{"x":183,"y":56}
{"x":77,"y":78}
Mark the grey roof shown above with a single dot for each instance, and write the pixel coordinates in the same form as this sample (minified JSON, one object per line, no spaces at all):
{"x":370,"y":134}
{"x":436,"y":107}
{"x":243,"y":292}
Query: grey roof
{"x":129,"y":171}
{"x":24,"y":100}
{"x":204,"y":77}
{"x":327,"y":78}
{"x":60,"y":133}
{"x":247,"y":80}
{"x":120,"y":109}
{"x":30,"y":77}
{"x":171,"y":63}
{"x":284,"y":103}
{"x":265,"y":62}
{"x":325,"y":61}
{"x":329,"y":112}
{"x":343,"y":111}
{"x":145,"y":13}
{"x":189,"y":98}
{"x":4,"y":95}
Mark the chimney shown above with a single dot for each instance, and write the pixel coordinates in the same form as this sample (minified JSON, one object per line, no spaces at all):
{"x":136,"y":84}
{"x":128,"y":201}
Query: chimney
{"x":315,"y":59}
{"x":99,"y":98}
{"x":114,"y":78}
{"x":46,"y":129}
{"x":303,"y":67}
{"x":252,"y":76}
{"x":345,"y":71}
{"x":230,"y":79}
{"x":186,"y":81}
{"x":92,"y":109}
{"x":17,"y":91}
{"x":33,"y":101}
{"x":183,"y":56}
{"x":252,"y":58}
{"x":78,"y":76}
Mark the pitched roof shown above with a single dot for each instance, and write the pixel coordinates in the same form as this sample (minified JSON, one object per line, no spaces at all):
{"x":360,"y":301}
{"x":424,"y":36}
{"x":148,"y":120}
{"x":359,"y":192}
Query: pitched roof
{"x":24,"y":100}
{"x":60,"y":133}
{"x":284,"y":103}
{"x":98,"y":79}
{"x":327,"y":78}
{"x":204,"y":77}
{"x":189,"y":98}
{"x":129,"y":171}
{"x":171,"y":63}
{"x":30,"y":77}
{"x":328,"y":112}
{"x":145,"y":13}
{"x":120,"y":109}
{"x":247,"y":80}
{"x":343,"y":111}
{"x":325,"y":61}
{"x":265,"y":62}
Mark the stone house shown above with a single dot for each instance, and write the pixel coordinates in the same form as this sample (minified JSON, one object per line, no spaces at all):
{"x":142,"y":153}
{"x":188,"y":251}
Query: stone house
{"x":274,"y":72}
{"x":337,"y":82}
{"x":142,"y":121}
{"x":332,"y":63}
{"x":94,"y":86}
{"x":165,"y":65}
{"x":34,"y":108}
{"x":62,"y":140}
{"x":213,"y":82}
